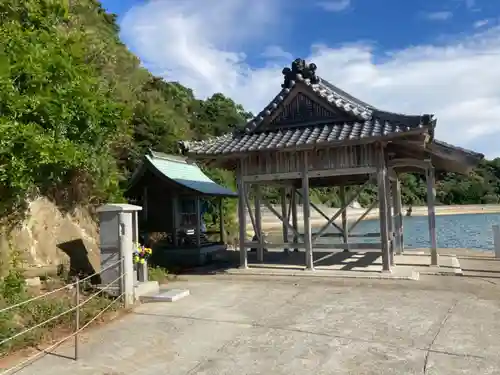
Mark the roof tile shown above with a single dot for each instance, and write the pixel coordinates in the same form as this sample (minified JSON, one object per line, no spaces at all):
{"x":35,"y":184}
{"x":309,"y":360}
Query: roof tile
{"x":292,"y":137}
{"x":368,"y":121}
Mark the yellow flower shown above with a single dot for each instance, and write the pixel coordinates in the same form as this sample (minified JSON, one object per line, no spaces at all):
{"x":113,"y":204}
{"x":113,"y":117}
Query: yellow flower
{"x":136,"y":259}
{"x":142,"y":261}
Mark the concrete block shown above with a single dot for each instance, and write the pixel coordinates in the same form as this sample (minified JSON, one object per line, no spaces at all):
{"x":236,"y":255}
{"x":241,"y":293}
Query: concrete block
{"x":146,"y":288}
{"x":169,"y":295}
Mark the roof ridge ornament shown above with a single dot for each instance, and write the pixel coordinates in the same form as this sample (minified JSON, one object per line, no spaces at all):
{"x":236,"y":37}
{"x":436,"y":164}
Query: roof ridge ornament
{"x":300,"y":70}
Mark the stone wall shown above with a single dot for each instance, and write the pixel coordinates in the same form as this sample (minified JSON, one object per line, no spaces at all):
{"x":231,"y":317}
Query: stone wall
{"x":48,"y":237}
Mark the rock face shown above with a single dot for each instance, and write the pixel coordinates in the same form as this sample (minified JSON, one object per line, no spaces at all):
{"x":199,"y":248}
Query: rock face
{"x":48,"y":238}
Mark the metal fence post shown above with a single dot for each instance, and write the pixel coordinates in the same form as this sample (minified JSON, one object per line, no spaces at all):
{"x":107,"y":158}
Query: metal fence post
{"x":77,"y":315}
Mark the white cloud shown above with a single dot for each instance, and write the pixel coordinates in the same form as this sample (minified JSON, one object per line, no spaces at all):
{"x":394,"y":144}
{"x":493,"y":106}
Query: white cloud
{"x":335,"y":5}
{"x":439,"y":16}
{"x":202,"y":43}
{"x":274,"y":52}
{"x":481,"y":23}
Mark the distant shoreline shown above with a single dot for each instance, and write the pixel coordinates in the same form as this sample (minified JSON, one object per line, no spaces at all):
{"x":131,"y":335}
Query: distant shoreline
{"x":270,"y":223}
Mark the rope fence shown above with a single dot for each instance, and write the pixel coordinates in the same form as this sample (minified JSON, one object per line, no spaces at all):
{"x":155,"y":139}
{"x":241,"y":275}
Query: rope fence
{"x":76,"y":309}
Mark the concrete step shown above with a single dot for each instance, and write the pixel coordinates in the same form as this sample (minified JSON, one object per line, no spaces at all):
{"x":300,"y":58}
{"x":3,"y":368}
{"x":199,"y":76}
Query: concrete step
{"x":165,"y":295}
{"x":146,"y":288}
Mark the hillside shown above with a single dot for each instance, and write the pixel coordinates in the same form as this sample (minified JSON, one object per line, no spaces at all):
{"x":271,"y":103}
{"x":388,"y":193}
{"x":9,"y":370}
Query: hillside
{"x":77,"y":112}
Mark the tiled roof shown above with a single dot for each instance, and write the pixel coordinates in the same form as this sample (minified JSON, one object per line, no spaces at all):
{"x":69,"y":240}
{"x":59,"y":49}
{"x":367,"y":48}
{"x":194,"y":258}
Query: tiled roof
{"x":293,"y":137}
{"x":447,"y":146}
{"x":323,"y":89}
{"x":367,"y":121}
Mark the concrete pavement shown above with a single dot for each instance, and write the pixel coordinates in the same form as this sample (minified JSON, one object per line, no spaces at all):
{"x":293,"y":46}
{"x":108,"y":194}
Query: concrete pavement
{"x":255,"y":325}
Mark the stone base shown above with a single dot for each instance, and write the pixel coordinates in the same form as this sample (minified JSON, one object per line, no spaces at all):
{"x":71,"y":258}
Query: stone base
{"x":146,"y":288}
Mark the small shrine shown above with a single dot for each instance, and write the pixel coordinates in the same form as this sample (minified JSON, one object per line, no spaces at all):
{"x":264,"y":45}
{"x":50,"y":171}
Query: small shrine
{"x":174,"y":194}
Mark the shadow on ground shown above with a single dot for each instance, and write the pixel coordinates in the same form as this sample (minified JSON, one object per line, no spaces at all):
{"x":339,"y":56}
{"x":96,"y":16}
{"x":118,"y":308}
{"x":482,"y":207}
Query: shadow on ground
{"x":339,"y":260}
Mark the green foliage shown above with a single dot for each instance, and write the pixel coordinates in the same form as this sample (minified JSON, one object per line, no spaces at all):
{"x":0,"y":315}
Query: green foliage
{"x":159,"y":274}
{"x":57,"y":117}
{"x":33,"y":312}
{"x":78,"y":112}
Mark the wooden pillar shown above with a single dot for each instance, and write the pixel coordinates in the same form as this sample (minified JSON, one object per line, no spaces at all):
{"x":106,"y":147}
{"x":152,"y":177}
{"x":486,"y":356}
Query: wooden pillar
{"x":295,"y":221}
{"x":431,"y":213}
{"x":307,"y":213}
{"x":258,"y":224}
{"x":175,"y":219}
{"x":198,"y":221}
{"x":390,"y":223}
{"x":382,"y":198}
{"x":345,"y":223}
{"x":284,"y":213}
{"x":398,"y":215}
{"x":145,"y":212}
{"x":242,"y":217}
{"x":222,"y":229}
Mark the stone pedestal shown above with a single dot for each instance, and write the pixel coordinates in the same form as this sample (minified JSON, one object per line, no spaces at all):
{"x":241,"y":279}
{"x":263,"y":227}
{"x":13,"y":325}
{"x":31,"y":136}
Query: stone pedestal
{"x":119,"y":234}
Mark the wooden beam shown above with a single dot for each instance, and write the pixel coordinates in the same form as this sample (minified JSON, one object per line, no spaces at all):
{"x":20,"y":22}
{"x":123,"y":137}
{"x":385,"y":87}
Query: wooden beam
{"x":272,"y":177}
{"x":357,"y":235}
{"x":307,"y":212}
{"x":250,"y":213}
{"x":359,"y":219}
{"x":431,"y":214}
{"x":354,"y":246}
{"x":312,"y":174}
{"x":339,"y":212}
{"x":382,"y":198}
{"x":275,"y":245}
{"x":258,"y":223}
{"x":318,"y":210}
{"x":341,"y":172}
{"x":271,"y":208}
{"x":409,"y":162}
{"x":242,"y":216}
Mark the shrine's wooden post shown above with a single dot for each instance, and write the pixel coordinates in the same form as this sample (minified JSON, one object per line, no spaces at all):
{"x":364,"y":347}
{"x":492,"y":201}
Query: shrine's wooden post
{"x":431,"y":214}
{"x":258,"y":224}
{"x":345,"y":223}
{"x":242,"y":217}
{"x":382,"y":197}
{"x":307,"y":213}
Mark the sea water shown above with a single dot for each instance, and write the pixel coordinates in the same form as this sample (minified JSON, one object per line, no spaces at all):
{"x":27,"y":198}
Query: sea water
{"x":473,"y":231}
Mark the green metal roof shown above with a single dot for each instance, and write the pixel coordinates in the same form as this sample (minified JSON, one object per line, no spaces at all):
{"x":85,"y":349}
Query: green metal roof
{"x":182,"y":172}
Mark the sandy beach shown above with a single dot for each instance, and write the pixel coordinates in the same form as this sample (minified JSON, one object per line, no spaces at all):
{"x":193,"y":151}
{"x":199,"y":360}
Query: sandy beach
{"x":271,"y":223}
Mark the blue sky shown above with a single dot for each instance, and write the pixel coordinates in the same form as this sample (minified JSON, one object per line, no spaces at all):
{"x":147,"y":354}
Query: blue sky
{"x":414,"y":56}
